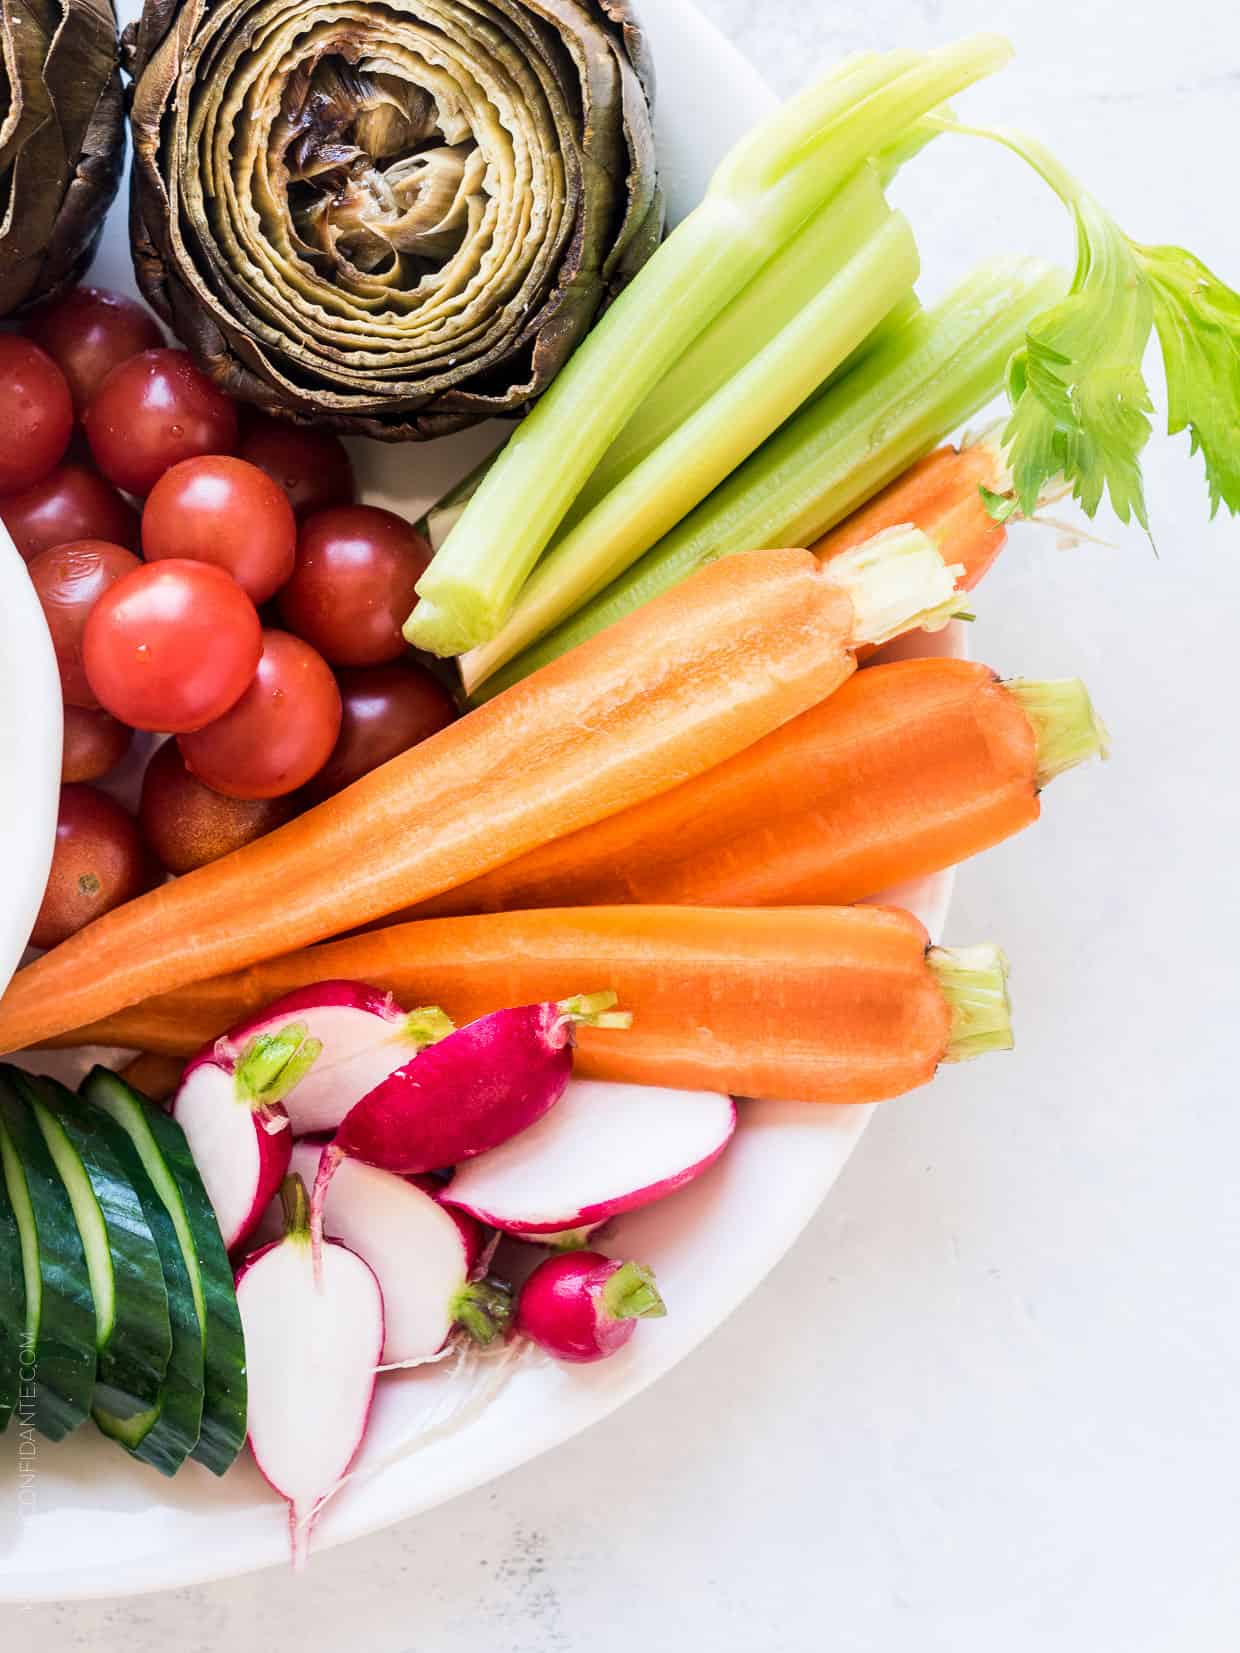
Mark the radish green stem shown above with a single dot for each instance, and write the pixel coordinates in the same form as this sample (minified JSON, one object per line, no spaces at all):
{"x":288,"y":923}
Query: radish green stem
{"x":630,"y":1294}
{"x":710,"y":444}
{"x":594,"y":1010}
{"x":296,"y":1209}
{"x":484,"y":1309}
{"x":272,"y":1063}
{"x":1066,"y":727}
{"x":760,"y":196}
{"x":910,"y":392}
{"x":973,"y":980}
{"x":427,"y":1026}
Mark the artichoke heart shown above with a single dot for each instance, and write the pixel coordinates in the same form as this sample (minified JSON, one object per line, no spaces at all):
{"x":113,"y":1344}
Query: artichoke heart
{"x":62,"y":142}
{"x":389,"y":219}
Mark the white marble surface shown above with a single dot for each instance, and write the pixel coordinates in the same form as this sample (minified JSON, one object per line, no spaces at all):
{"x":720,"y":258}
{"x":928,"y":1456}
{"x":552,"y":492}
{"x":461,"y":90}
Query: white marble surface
{"x":993,"y":1400}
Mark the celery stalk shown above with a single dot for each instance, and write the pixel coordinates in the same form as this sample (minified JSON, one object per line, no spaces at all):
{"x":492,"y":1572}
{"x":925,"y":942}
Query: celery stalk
{"x":927,"y":378}
{"x":761,"y":195}
{"x":709,"y":445}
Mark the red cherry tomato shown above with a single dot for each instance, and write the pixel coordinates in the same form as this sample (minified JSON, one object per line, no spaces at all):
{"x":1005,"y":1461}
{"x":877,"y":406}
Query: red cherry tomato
{"x":72,"y":503}
{"x":386,"y":710}
{"x":36,"y":413}
{"x":153,"y":411}
{"x":89,"y":332}
{"x":187,"y":824}
{"x":69,"y":580}
{"x":172,"y":646}
{"x":221,"y":510}
{"x":94,"y":743}
{"x":353,"y":585}
{"x":98,"y":862}
{"x":281,"y":731}
{"x":312,"y":468}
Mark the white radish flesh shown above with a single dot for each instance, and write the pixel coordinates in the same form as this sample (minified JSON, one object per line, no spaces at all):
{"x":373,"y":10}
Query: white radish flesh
{"x":603,"y":1149}
{"x":241,"y":1153}
{"x":420,"y":1254}
{"x":312,"y":1349}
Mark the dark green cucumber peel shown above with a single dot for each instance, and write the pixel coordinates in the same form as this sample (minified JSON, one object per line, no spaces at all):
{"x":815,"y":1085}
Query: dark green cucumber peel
{"x":12,"y":1307}
{"x":165,"y":1434}
{"x":133,"y":1333}
{"x":60,"y":1310}
{"x":164,"y":1152}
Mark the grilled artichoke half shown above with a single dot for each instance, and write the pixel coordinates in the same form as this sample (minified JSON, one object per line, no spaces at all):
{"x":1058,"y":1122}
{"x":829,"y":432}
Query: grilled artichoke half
{"x":62,"y":142}
{"x":389,"y":219}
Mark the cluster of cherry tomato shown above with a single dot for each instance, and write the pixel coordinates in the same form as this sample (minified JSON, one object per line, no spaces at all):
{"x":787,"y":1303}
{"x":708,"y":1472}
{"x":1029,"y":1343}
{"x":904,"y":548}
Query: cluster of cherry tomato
{"x":205,"y":573}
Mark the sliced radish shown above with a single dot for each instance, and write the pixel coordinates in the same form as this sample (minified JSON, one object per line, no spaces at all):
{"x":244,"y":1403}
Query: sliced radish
{"x":606,"y":1148}
{"x":583,"y":1306}
{"x":362,"y":1036}
{"x":422,"y":1256}
{"x":466,"y":1093}
{"x":313,"y":1341}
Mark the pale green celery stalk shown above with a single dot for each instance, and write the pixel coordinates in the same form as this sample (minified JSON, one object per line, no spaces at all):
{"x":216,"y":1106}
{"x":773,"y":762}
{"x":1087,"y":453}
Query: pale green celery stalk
{"x":760,"y":196}
{"x":1067,"y":730}
{"x":708,"y":446}
{"x":912,"y":391}
{"x":973,"y":980}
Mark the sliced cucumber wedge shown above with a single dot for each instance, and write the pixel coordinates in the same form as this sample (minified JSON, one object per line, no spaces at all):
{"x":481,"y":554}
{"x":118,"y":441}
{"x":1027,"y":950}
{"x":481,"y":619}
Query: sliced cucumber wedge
{"x":133,"y":1335}
{"x":60,"y":1311}
{"x":12,"y":1307}
{"x":165,"y":1434}
{"x":161,"y":1146}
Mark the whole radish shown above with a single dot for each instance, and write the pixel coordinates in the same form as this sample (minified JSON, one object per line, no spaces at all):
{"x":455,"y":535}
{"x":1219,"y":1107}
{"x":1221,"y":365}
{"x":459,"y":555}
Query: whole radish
{"x":425,"y":1257}
{"x":313,"y":1339}
{"x":465,"y":1093}
{"x":581,"y":1306}
{"x":363,"y":1036}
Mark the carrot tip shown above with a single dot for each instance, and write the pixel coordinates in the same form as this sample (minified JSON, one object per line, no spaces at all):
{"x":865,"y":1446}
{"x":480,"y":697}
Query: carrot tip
{"x":973,"y":980}
{"x":1067,"y":729}
{"x":896,"y":581}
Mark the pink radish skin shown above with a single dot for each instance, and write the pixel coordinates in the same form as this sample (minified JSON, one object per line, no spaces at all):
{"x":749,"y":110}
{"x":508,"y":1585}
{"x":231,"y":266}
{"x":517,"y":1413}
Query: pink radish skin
{"x":362,"y":1034}
{"x":605,"y":1149}
{"x":466,"y":1093}
{"x":582,"y":1306}
{"x":423,"y":1256}
{"x":313,"y":1340}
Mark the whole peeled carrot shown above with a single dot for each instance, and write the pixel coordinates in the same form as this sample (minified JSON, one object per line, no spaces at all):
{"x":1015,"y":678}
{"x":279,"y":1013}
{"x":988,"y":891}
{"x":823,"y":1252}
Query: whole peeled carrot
{"x":820,"y":1004}
{"x":909,"y":768}
{"x":705,"y":671}
{"x":940,"y":494}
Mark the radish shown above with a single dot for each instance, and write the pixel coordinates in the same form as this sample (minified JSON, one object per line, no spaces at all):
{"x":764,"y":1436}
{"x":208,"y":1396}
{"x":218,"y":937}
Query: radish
{"x":362,"y":1035}
{"x":313,"y":1339}
{"x":582,"y":1306}
{"x":605,"y":1149}
{"x":423,"y":1255}
{"x":465,"y":1094}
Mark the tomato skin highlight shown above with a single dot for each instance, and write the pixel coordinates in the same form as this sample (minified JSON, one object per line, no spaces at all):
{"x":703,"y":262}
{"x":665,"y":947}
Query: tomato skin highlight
{"x":221,"y":510}
{"x":69,"y":503}
{"x":386,"y":710}
{"x":90,"y":331}
{"x":353,"y":586}
{"x":36,"y":413}
{"x":310,"y":467}
{"x":279,"y":734}
{"x":98,"y":862}
{"x":69,"y":580}
{"x":94,"y":742}
{"x":172,"y":646}
{"x":187,"y":823}
{"x":151,"y":412}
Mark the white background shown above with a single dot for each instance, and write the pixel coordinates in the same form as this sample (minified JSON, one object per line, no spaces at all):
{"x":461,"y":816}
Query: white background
{"x":992,"y":1401}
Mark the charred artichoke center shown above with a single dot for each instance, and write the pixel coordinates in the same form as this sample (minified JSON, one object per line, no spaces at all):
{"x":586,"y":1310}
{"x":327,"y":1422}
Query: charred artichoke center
{"x":373,"y":182}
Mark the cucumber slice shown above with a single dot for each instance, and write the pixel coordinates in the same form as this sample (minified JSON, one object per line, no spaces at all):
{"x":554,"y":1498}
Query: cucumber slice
{"x":60,"y":1311}
{"x":12,"y":1308}
{"x":164,"y":1152}
{"x":165,"y":1434}
{"x":133,"y":1336}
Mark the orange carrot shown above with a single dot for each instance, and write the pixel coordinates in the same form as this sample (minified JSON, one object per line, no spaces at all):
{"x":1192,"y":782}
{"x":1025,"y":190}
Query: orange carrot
{"x":824,"y":1004}
{"x":940,"y":495}
{"x":909,"y":768}
{"x":155,"y":1076}
{"x":698,"y":674}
